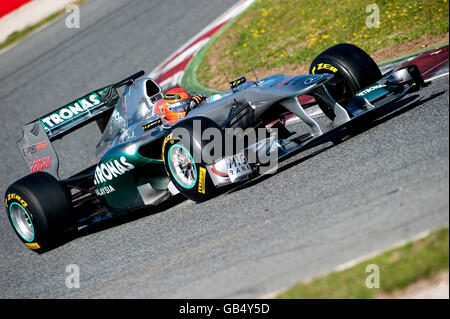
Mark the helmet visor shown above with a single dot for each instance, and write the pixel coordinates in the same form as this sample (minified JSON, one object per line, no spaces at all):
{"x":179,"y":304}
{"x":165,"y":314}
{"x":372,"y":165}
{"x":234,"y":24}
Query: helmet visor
{"x":180,"y":106}
{"x":172,"y":96}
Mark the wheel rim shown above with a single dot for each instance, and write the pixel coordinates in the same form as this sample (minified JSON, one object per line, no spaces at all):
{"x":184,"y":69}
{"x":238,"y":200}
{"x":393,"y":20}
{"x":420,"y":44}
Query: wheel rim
{"x":22,"y":222}
{"x":182,"y":166}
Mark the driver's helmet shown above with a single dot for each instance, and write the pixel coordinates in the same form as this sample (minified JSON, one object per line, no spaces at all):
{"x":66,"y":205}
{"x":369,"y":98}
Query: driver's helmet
{"x":175,"y":104}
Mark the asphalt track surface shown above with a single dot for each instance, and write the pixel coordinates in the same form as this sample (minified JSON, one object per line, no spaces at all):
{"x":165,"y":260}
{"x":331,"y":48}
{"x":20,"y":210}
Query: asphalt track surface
{"x":334,"y":203}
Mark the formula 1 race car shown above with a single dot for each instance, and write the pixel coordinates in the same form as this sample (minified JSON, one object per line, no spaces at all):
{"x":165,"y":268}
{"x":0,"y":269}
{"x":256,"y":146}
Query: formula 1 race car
{"x":143,"y":159}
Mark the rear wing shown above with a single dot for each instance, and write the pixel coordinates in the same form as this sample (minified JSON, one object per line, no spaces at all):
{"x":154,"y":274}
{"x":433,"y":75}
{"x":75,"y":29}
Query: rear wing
{"x":35,"y":145}
{"x":79,"y":113}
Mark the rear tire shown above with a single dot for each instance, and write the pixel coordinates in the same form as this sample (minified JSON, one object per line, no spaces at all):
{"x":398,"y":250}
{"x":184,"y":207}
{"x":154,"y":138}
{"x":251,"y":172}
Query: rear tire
{"x":39,"y":210}
{"x":353,"y":70}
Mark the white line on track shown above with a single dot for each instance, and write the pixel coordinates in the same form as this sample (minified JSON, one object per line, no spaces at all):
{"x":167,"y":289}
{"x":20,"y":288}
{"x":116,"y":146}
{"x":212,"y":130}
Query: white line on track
{"x":172,"y":81}
{"x":436,"y":77}
{"x":186,"y":54}
{"x":230,"y":13}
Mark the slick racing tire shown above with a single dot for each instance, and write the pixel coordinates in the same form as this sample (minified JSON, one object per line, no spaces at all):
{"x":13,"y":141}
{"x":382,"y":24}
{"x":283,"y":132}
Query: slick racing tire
{"x":353,"y":70}
{"x":39,"y":210}
{"x":184,"y":158}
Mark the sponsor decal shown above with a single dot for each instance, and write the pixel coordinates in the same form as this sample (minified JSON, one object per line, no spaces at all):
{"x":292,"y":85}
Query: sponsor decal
{"x":202,"y":180}
{"x":370,"y":89}
{"x":119,"y":119}
{"x":313,"y":79}
{"x":70,"y":111}
{"x":33,"y":149}
{"x":110,"y":170}
{"x":105,"y":190}
{"x":40,"y":164}
{"x":33,"y":245}
{"x":217,"y":97}
{"x":151,"y":125}
{"x":215,"y":171}
{"x":17,"y":198}
{"x":324,"y":66}
{"x":238,"y":166}
{"x":168,"y":137}
{"x":235,"y":83}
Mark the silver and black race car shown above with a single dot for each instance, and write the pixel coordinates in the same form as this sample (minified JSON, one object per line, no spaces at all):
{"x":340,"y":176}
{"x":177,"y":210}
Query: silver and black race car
{"x":143,"y":159}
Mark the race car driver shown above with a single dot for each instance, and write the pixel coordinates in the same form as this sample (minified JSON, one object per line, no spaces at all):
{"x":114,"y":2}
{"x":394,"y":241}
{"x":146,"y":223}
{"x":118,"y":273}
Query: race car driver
{"x":177,"y":103}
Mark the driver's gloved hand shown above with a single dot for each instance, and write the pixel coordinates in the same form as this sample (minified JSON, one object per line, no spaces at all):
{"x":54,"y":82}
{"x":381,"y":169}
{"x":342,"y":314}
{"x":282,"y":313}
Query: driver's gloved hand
{"x":198,"y":98}
{"x":195,"y":101}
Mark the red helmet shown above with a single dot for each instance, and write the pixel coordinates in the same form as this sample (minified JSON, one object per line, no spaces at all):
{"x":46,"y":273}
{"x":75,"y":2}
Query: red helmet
{"x":175,"y":104}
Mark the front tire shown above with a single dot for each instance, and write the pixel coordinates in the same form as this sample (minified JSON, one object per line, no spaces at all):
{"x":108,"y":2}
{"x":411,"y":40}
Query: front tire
{"x":184,"y":159}
{"x":353,"y":70}
{"x":39,"y":210}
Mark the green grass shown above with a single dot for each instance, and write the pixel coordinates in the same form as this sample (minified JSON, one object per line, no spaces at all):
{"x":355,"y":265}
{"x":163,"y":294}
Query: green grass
{"x":273,"y":33}
{"x":398,"y":268}
{"x":19,"y":35}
